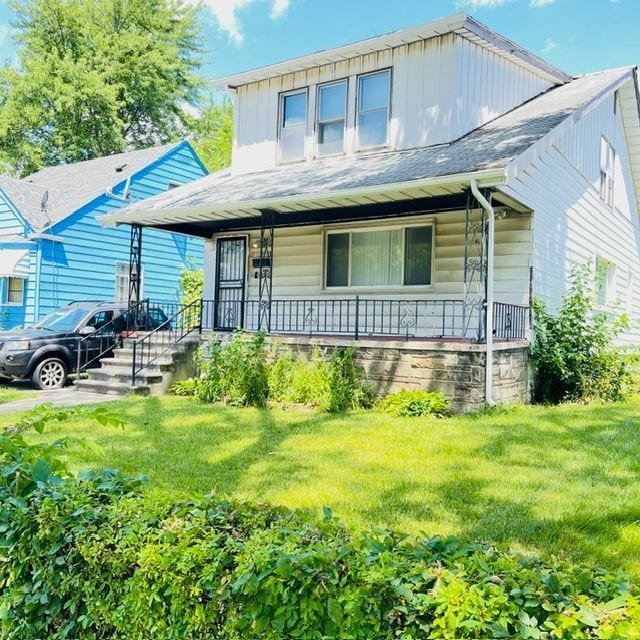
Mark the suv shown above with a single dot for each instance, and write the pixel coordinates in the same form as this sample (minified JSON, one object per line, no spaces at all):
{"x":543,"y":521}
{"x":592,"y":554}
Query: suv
{"x":48,"y":350}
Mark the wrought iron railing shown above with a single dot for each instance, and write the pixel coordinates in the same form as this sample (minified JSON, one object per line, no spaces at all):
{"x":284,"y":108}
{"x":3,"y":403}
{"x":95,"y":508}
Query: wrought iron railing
{"x":100,"y":343}
{"x":152,"y":346}
{"x":366,"y":317}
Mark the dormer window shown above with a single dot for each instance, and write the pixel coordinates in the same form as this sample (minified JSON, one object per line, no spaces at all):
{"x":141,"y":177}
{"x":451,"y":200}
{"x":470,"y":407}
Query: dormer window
{"x":332,"y":111}
{"x":293,"y":125}
{"x":374,"y":97}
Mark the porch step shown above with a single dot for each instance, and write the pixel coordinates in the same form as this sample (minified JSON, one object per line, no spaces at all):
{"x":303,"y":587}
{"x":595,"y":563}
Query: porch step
{"x":168,"y":366}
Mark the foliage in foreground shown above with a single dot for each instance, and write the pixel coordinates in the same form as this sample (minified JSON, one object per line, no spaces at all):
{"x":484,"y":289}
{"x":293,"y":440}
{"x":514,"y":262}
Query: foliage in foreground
{"x":96,"y":559}
{"x":415,"y":403}
{"x":245,"y":372}
{"x":574,"y":354}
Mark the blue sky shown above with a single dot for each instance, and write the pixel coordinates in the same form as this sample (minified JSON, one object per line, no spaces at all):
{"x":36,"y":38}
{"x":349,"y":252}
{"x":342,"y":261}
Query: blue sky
{"x":576,"y":35}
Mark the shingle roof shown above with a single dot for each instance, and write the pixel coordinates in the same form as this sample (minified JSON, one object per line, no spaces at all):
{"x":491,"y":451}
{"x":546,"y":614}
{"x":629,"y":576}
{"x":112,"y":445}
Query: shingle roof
{"x":70,"y":186}
{"x":491,"y":146}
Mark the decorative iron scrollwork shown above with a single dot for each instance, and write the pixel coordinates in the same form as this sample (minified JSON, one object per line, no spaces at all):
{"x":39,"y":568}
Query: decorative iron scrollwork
{"x":408,"y":318}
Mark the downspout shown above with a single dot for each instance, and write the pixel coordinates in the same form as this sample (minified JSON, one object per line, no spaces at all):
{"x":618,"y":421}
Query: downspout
{"x":488,"y":375}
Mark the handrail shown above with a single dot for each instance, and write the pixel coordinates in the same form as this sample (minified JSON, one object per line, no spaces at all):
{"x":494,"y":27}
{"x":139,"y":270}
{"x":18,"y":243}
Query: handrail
{"x":181,"y":324}
{"x":107,"y":337}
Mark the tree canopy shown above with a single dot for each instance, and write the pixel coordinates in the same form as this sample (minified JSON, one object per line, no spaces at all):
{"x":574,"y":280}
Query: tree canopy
{"x":212,"y":134}
{"x":95,"y":77}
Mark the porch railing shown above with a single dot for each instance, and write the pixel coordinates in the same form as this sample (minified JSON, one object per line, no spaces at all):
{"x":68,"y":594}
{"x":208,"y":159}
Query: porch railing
{"x":367,"y":317}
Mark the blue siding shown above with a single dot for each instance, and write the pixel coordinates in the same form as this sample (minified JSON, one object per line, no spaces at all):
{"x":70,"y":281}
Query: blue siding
{"x":10,"y":223}
{"x":82,"y":266}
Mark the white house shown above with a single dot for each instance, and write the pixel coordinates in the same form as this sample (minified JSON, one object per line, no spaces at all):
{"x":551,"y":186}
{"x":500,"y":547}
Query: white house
{"x":406,"y":192}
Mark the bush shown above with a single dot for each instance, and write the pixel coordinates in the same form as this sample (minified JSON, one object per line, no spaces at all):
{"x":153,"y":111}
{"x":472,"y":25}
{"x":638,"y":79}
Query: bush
{"x":95,"y":558}
{"x":236,"y":372}
{"x":242,"y":372}
{"x":573,"y":352}
{"x":410,"y":404}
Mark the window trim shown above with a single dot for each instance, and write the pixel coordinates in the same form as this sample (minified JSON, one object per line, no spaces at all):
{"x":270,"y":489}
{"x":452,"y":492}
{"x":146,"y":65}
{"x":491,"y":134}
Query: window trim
{"x":281,"y":97}
{"x":379,"y":287}
{"x":357,"y":147}
{"x":116,"y":276}
{"x":316,"y":129}
{"x":610,"y":293}
{"x":7,"y":302}
{"x":606,"y":186}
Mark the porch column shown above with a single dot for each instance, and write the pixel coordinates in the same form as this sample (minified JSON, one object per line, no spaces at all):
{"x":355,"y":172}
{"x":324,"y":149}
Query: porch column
{"x":135,"y":263}
{"x":266,"y":268}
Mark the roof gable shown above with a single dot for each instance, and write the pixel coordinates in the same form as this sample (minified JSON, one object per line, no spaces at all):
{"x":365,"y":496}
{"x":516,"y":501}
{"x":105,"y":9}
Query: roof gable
{"x":70,"y":187}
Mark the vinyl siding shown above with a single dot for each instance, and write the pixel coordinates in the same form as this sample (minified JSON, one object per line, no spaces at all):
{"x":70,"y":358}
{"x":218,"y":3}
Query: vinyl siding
{"x":298,"y":261}
{"x":571,"y":225}
{"x":82,"y":266}
{"x":441,"y":88}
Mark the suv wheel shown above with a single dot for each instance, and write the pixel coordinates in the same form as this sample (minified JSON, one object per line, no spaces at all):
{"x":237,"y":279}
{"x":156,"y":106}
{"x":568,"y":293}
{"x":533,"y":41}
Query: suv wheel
{"x":51,"y":373}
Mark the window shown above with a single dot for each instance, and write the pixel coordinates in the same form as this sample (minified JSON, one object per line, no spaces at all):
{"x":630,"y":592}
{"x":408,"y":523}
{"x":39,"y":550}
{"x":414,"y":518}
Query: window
{"x":122,"y":282}
{"x":332,"y":110}
{"x":100,"y":319}
{"x":372,"y":122}
{"x":605,"y":281}
{"x":607,"y":166}
{"x":386,"y":257}
{"x":293,"y":125}
{"x":15,"y":291}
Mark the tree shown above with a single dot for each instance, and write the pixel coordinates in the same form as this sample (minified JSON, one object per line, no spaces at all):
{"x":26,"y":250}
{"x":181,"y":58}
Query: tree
{"x":212,"y":134}
{"x":95,"y":77}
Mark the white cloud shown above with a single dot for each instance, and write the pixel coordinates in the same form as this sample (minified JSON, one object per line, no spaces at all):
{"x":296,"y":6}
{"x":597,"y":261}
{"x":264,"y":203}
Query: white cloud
{"x":549,"y":45}
{"x":226,"y":14}
{"x":540,"y":3}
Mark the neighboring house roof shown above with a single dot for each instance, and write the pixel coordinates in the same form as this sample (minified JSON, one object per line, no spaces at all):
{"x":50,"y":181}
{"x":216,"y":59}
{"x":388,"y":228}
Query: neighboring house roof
{"x":459,"y":23}
{"x":490,"y":147}
{"x":70,"y":186}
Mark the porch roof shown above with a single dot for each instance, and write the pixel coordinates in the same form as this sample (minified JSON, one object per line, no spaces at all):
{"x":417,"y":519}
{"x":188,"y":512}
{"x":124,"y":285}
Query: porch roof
{"x":225,"y":199}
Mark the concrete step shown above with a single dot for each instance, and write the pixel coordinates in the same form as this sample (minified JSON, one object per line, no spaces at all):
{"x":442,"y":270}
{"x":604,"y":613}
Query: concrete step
{"x":163,"y":341}
{"x":127,"y":353}
{"x":122,"y":375}
{"x":161,"y":364}
{"x":111,"y":388}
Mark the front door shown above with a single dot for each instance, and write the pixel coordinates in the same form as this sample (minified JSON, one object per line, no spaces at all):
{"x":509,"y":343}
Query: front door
{"x":230,"y":283}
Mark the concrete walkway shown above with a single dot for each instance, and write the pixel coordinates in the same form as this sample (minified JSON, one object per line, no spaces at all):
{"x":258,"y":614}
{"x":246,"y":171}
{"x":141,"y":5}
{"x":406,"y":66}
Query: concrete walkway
{"x":67,"y":397}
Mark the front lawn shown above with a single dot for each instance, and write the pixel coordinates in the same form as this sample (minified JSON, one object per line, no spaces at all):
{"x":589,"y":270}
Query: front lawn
{"x":554,"y":481}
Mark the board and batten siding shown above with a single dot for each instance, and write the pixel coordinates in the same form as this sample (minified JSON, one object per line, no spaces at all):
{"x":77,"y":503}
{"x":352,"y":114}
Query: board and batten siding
{"x":571,"y":225}
{"x":298,"y":261}
{"x":442,"y":88}
{"x":83,"y":265}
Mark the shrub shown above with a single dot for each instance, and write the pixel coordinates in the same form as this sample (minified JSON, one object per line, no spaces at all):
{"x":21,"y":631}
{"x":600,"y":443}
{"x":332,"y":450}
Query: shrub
{"x":573,"y":352}
{"x":191,"y":285}
{"x":236,"y":372}
{"x":415,"y":403}
{"x":95,"y":558}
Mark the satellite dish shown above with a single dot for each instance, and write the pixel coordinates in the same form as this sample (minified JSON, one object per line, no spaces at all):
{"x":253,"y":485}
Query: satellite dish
{"x":44,"y":201}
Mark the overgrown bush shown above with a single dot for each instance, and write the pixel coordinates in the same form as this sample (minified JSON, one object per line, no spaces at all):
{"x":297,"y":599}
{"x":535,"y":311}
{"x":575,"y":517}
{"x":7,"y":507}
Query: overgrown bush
{"x":236,"y":372}
{"x":191,"y":285}
{"x":95,"y":558}
{"x":574,"y":354}
{"x":243,"y":372}
{"x":415,"y":403}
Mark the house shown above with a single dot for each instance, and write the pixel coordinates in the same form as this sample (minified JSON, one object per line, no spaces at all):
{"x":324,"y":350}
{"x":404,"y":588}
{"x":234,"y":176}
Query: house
{"x":53,"y":250}
{"x":410,"y":194}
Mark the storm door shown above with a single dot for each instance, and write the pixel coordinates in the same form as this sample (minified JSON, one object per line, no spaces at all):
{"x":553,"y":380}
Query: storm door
{"x":231,"y":266}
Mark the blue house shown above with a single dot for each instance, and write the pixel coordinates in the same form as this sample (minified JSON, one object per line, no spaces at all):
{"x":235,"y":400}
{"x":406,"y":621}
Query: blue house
{"x":53,"y":250}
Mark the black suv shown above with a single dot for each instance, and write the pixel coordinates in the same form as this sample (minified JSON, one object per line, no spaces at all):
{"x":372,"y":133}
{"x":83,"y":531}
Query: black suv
{"x":48,"y":350}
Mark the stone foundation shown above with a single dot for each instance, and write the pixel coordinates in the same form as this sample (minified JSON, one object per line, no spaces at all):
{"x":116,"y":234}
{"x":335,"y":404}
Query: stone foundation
{"x":456,"y":369}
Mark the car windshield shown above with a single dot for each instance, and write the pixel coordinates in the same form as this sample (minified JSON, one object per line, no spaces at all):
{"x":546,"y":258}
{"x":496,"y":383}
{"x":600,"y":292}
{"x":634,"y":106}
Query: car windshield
{"x":63,"y":320}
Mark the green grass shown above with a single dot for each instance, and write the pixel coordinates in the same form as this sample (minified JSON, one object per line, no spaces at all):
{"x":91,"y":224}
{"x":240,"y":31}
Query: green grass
{"x":553,"y":481}
{"x":9,"y":393}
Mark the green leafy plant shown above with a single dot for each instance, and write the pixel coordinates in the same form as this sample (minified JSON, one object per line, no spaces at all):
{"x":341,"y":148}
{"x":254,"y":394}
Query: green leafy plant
{"x":191,"y":283}
{"x":95,"y":557}
{"x":415,"y":403}
{"x":574,"y":353}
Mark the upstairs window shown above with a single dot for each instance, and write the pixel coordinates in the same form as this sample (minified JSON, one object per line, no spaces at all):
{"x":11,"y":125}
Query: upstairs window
{"x":381,"y":258}
{"x":607,"y":166}
{"x":332,"y":110}
{"x":293,"y":125}
{"x":122,"y":281}
{"x":372,"y":122}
